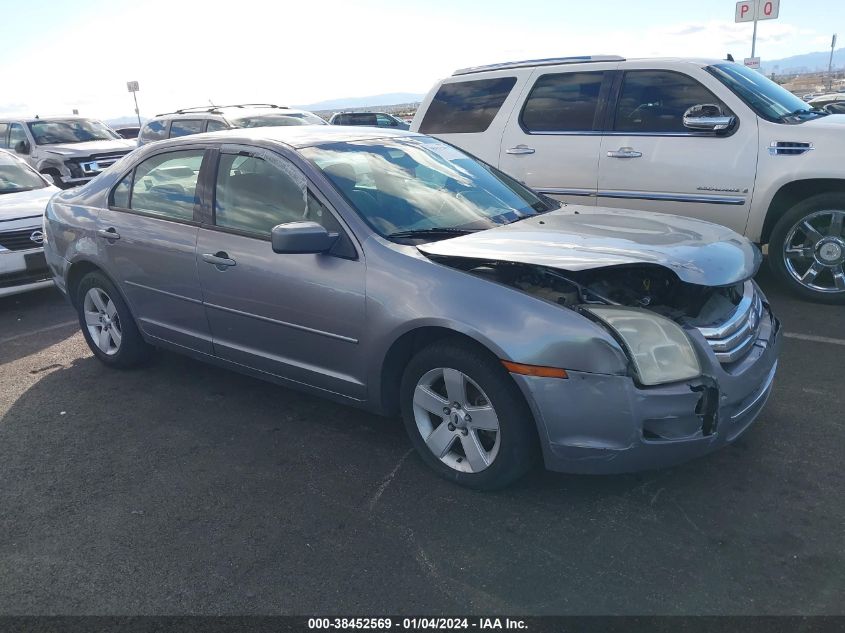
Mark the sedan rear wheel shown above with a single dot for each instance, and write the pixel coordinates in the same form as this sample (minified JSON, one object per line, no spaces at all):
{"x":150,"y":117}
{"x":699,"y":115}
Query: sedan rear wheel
{"x":466,"y":416}
{"x":107,"y":324}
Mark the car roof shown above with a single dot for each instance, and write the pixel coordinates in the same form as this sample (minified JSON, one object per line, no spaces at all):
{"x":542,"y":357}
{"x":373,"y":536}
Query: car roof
{"x":227,"y":112}
{"x":32,"y":119}
{"x":295,"y":136}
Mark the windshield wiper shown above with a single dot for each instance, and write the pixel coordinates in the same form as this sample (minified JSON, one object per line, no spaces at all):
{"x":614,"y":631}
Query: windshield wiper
{"x":802,"y":111}
{"x":434,"y":231}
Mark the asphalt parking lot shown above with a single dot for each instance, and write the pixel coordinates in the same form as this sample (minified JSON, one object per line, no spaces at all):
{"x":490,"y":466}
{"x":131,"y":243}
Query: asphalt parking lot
{"x":182,"y":488}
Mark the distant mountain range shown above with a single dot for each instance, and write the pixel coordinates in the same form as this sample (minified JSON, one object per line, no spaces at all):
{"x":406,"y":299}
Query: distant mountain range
{"x":806,"y":63}
{"x":392,"y":98}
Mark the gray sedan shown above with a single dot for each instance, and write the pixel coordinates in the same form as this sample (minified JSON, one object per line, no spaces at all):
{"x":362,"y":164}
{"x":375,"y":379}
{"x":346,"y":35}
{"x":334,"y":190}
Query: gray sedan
{"x":391,"y":271}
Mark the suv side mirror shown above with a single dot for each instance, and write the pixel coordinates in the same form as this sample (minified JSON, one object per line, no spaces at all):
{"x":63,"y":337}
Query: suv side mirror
{"x":22,"y":147}
{"x":708,"y":117}
{"x":301,"y":238}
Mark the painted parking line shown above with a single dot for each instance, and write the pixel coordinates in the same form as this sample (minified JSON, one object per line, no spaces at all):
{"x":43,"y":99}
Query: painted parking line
{"x":50,"y":328}
{"x":815,"y":339}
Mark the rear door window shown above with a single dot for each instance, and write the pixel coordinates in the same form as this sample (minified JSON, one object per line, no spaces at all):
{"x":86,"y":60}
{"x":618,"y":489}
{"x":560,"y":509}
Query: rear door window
{"x":466,"y":106}
{"x":153,"y":131}
{"x":385,"y":121}
{"x":184,"y":127}
{"x":166,"y":185}
{"x":4,"y":130}
{"x":215,"y":126}
{"x":563,"y":102}
{"x":655,"y":101}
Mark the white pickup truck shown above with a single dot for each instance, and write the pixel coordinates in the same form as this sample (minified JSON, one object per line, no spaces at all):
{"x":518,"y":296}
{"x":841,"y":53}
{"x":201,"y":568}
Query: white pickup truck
{"x":703,"y":138}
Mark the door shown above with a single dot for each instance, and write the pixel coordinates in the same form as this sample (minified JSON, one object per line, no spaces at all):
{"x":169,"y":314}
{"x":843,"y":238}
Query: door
{"x":295,"y":316}
{"x":147,"y":237}
{"x":651,"y":161}
{"x":552,"y":142}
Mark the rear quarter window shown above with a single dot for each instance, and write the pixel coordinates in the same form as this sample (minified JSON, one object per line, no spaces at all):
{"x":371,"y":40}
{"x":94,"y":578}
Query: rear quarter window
{"x":466,"y":106}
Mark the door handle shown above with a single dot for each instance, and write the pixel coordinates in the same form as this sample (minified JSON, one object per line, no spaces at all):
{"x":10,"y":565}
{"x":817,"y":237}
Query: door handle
{"x":520,"y":149}
{"x":220,"y":259}
{"x":109,"y":233}
{"x":624,"y":152}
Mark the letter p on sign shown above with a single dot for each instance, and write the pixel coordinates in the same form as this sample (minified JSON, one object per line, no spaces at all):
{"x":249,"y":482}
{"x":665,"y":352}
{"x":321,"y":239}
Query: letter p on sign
{"x":750,"y":10}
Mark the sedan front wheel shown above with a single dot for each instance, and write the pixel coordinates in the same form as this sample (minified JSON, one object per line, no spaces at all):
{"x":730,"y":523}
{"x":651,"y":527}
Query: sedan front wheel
{"x":466,"y":416}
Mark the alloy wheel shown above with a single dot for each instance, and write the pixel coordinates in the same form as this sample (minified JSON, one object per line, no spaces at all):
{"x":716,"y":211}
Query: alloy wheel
{"x":456,"y":420}
{"x":102,"y":321}
{"x":814,"y":251}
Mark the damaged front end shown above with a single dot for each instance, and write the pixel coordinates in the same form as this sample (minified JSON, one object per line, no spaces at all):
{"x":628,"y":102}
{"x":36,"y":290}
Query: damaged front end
{"x":723,"y":358}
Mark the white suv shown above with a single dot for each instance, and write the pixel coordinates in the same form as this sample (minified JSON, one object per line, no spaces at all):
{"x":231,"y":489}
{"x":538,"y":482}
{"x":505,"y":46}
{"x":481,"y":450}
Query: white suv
{"x":215,"y":118}
{"x":702,"y":138}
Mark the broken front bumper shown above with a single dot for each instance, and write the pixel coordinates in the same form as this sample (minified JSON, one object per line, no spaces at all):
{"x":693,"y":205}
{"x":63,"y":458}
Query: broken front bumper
{"x":596,"y":423}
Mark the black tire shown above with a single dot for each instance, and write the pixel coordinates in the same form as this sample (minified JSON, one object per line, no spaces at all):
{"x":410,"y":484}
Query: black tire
{"x":518,"y":445}
{"x":56,"y":177}
{"x":778,"y":260}
{"x":132,"y":350}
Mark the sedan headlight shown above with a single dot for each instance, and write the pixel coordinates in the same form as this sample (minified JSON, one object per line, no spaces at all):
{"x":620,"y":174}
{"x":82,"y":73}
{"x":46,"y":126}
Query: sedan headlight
{"x":659,"y":348}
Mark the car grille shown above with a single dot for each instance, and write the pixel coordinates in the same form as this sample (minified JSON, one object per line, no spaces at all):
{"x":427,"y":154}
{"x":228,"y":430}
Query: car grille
{"x":734,"y":339}
{"x":96,"y":163}
{"x":19,"y":240}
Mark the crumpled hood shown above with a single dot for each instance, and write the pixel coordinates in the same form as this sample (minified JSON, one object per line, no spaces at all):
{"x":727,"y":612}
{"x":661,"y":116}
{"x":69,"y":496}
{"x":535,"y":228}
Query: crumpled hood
{"x":581,"y":238}
{"x":89,"y":147}
{"x":25,"y":204}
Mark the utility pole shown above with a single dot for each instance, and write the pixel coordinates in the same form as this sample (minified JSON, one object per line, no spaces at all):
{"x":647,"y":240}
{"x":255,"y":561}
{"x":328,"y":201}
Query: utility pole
{"x":830,"y":65}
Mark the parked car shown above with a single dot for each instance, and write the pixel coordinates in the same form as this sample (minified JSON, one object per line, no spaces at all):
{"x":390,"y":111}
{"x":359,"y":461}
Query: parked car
{"x":711,"y":140}
{"x":832,"y":103}
{"x":212,"y":119}
{"x":23,"y":196}
{"x":128,"y":132}
{"x":372,"y":119}
{"x":391,"y":271}
{"x":68,"y":151}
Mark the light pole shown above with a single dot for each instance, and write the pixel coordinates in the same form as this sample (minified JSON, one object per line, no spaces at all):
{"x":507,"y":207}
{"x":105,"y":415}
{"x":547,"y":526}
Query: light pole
{"x":830,"y":65}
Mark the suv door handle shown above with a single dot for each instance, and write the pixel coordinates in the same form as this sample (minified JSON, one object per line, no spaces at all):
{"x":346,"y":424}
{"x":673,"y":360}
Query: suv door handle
{"x":109,"y":233}
{"x":624,"y":152}
{"x":520,"y":149}
{"x":220,"y":259}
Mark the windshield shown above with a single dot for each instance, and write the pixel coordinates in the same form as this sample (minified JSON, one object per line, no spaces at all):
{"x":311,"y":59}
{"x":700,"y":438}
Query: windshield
{"x":273,"y":120}
{"x":70,"y":131}
{"x":15,"y":176}
{"x":419,"y":184}
{"x":764,"y":96}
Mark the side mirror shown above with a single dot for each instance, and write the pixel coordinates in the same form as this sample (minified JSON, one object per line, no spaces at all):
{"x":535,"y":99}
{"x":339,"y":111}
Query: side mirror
{"x":707,"y":117}
{"x":22,"y":147}
{"x":301,"y":237}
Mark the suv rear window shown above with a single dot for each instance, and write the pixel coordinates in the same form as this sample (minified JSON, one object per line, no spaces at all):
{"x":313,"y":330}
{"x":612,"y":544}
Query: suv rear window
{"x":466,"y":106}
{"x":565,"y":102}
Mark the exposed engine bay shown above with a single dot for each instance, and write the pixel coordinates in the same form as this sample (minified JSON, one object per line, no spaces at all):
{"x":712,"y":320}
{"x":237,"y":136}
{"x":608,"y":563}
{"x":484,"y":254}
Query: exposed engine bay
{"x":651,"y":287}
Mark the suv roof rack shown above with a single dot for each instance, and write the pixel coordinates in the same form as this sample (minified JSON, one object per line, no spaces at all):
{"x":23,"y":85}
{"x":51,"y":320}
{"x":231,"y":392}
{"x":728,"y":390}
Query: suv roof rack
{"x":216,"y":109}
{"x":550,"y":61}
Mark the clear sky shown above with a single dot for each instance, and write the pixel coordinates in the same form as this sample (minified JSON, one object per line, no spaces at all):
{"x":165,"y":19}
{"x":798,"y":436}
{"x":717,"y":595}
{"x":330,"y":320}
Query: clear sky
{"x":56,"y":55}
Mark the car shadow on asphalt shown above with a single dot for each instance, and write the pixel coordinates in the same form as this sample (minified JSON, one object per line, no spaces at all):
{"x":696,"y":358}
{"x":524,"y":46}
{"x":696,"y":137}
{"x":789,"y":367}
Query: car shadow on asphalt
{"x":182,"y":487}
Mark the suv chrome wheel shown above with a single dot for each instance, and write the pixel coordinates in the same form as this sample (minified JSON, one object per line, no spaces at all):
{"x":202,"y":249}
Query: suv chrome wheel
{"x":814,"y":251}
{"x":102,"y":321}
{"x":456,"y":420}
